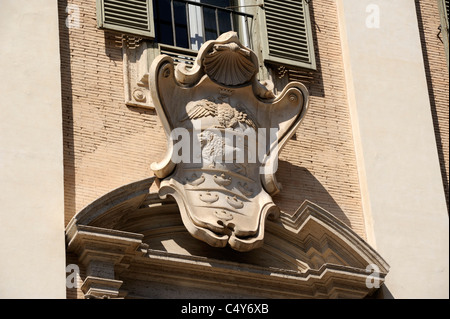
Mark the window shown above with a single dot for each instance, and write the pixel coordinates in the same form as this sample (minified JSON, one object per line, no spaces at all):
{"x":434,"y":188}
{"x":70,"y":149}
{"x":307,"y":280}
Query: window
{"x":189,"y":24}
{"x":281,"y":29}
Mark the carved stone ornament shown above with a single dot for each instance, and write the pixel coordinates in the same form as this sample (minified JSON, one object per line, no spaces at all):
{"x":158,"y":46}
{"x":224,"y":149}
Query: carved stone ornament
{"x":235,"y":129}
{"x":135,"y":68}
{"x":130,"y":243}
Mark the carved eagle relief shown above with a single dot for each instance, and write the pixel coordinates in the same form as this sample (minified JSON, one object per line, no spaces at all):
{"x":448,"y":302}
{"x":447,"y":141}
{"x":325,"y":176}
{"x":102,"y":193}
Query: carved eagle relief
{"x":227,"y":115}
{"x":224,"y":199}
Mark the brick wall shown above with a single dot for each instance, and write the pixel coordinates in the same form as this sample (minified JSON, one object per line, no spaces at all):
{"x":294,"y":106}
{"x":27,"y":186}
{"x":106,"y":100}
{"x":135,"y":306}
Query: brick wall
{"x":437,"y":75}
{"x":107,"y":144}
{"x":319,"y":164}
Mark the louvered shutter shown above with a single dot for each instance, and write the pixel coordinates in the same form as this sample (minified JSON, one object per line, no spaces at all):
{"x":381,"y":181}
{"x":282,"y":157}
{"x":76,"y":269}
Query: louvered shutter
{"x":288,"y":33}
{"x":127,"y":16}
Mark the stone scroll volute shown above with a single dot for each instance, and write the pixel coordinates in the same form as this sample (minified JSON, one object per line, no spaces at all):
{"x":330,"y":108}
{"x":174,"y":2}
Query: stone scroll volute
{"x":225,"y":130}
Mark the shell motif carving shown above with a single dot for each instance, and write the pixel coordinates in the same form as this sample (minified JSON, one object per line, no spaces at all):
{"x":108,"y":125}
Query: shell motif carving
{"x":229,"y":64}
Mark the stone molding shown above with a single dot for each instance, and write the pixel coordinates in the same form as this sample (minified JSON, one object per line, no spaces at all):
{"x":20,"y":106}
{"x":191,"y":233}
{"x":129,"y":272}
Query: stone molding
{"x":308,"y":255}
{"x":105,"y":253}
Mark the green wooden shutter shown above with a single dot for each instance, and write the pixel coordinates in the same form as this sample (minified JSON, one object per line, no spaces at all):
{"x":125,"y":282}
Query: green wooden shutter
{"x":127,"y":16}
{"x":288,"y":33}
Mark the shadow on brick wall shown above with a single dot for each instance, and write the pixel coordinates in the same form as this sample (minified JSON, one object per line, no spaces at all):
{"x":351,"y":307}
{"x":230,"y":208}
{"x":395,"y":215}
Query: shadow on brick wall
{"x":67,"y":111}
{"x":299,"y":184}
{"x":113,"y":47}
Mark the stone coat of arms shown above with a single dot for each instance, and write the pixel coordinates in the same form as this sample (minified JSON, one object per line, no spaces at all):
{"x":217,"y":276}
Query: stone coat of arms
{"x":225,"y":130}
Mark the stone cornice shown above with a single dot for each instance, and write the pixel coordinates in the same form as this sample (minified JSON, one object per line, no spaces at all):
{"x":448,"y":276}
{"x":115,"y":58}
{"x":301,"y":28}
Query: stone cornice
{"x":308,"y":255}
